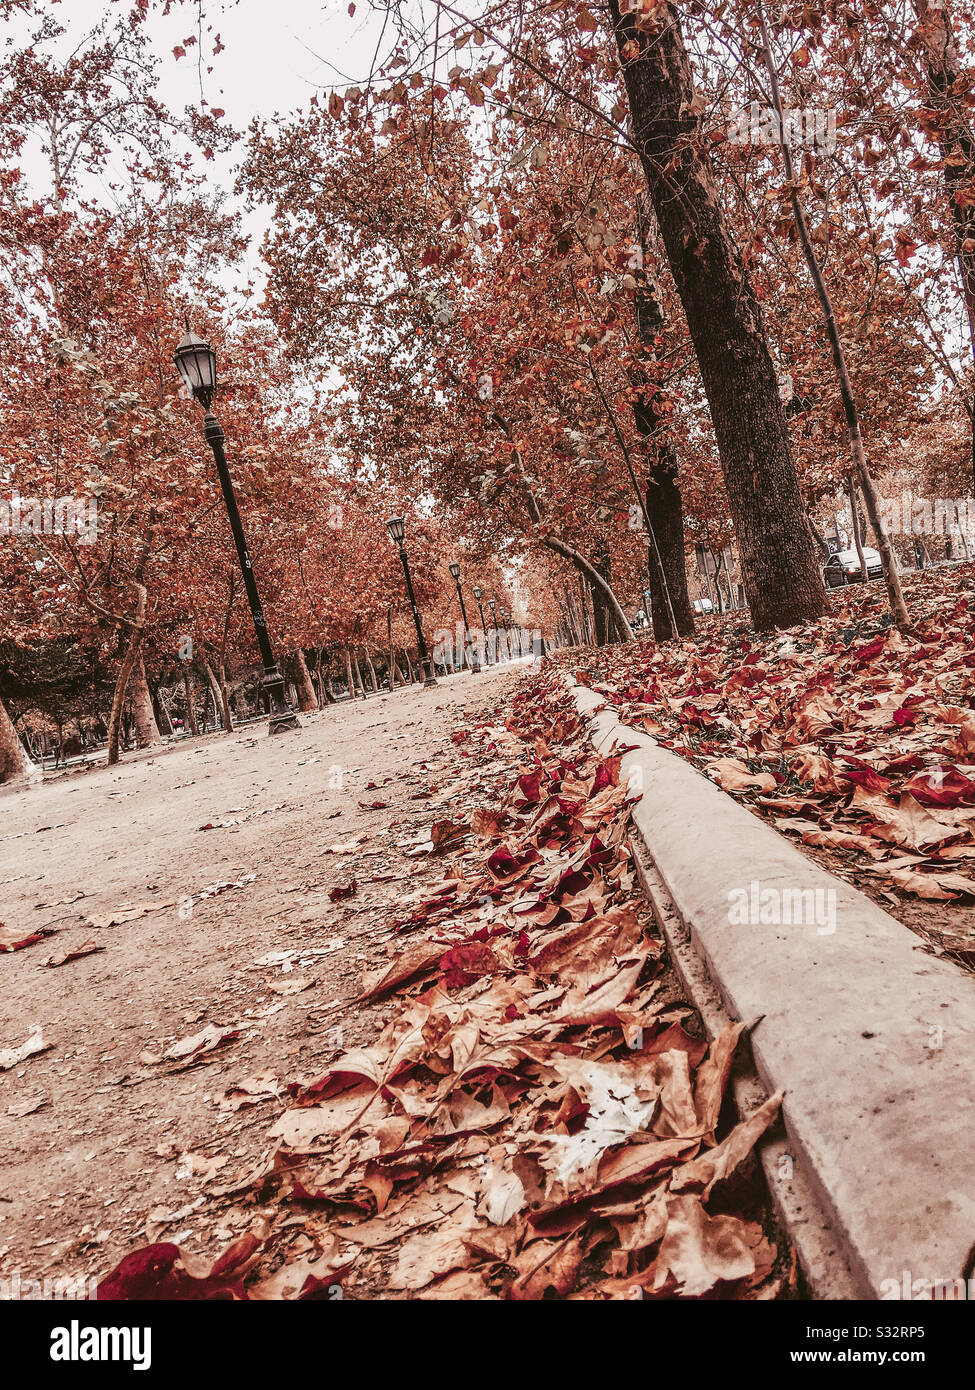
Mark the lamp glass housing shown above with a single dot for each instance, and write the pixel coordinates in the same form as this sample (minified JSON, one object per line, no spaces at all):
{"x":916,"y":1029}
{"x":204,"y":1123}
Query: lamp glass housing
{"x":196,"y":362}
{"x":455,"y":569}
{"x":477,"y":591}
{"x":396,"y":527}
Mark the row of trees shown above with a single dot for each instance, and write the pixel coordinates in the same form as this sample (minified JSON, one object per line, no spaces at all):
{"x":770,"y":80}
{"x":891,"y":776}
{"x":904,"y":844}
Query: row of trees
{"x":563,"y":253}
{"x":132,"y":580}
{"x":548,"y":282}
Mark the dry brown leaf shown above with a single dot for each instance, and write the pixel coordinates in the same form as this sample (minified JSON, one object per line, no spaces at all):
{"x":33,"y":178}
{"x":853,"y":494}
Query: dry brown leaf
{"x":732,"y":775}
{"x":427,"y":1255}
{"x":719,"y":1163}
{"x":697,"y":1251}
{"x":712,"y":1077}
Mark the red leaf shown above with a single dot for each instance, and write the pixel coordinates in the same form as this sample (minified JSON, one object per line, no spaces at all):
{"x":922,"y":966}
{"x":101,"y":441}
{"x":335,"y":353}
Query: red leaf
{"x":607,"y":775}
{"x":9,"y":941}
{"x":942,"y":786}
{"x":464,"y":964}
{"x":530,"y":784}
{"x":162,"y":1272}
{"x":864,"y":654}
{"x":503,"y":863}
{"x":865,"y":776}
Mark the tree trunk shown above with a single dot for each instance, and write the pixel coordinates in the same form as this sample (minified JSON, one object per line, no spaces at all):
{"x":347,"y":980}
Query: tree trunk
{"x":306,"y":691}
{"x":350,"y":682}
{"x":323,"y":676}
{"x":575,"y":636}
{"x":851,"y":491}
{"x":189,"y":692}
{"x":586,"y":624}
{"x":665,"y":510}
{"x":603,"y":617}
{"x":600,"y":620}
{"x":226,"y":697}
{"x":818,"y":537}
{"x":669,"y":597}
{"x":871,"y":497}
{"x":948,"y":122}
{"x":14,"y":761}
{"x":146,"y":733}
{"x":595,"y":578}
{"x":781,"y":576}
{"x":372,"y":671}
{"x":717,"y":581}
{"x":394,"y":670}
{"x":161,"y":714}
{"x":221,"y":706}
{"x":132,"y":655}
{"x":359,"y":682}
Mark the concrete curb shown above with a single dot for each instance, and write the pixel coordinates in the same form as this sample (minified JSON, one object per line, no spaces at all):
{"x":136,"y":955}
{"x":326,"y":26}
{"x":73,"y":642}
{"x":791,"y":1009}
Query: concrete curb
{"x":871,"y":1038}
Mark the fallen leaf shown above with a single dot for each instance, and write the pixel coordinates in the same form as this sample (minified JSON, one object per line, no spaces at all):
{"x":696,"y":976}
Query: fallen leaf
{"x":10,"y":1056}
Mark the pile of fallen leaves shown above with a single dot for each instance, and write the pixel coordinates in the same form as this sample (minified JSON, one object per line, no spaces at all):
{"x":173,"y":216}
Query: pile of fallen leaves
{"x":535,"y":1120}
{"x":846,"y":734}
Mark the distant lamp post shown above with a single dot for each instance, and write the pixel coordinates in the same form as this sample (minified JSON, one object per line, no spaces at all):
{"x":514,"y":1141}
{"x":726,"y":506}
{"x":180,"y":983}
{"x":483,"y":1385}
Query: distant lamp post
{"x":396,"y":527}
{"x":475,"y":664}
{"x":196,"y":362}
{"x":478,"y":591}
{"x":492,"y":604}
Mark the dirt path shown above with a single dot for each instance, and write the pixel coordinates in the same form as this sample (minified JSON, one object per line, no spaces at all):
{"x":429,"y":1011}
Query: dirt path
{"x":103,"y":1131}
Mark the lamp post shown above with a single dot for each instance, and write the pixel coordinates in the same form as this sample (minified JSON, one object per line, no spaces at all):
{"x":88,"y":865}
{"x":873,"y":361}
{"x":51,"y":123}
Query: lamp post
{"x":492,"y":604}
{"x":196,"y":362}
{"x":396,"y":527}
{"x":477,"y":591}
{"x":475,"y":664}
{"x":509,"y":631}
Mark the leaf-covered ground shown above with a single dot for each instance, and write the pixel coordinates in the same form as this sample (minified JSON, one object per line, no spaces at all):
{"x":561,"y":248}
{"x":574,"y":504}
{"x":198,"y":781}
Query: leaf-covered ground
{"x":540,"y":1116}
{"x":854,"y":741}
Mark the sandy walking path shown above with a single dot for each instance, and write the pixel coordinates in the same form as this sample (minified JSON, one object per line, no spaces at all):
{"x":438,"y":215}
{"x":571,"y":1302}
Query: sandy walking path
{"x":102,"y":1129}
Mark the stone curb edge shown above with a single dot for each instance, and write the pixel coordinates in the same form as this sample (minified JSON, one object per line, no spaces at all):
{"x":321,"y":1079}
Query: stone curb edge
{"x":878,"y":1120}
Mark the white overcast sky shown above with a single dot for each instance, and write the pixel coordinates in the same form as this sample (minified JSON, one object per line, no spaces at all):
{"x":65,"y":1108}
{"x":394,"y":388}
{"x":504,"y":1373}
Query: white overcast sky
{"x":276,"y":56}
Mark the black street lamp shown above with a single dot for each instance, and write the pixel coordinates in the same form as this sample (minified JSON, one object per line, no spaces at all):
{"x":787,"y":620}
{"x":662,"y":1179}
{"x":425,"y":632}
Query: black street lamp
{"x":196,"y":362}
{"x":477,"y":591}
{"x":492,"y":604}
{"x":396,"y":527}
{"x":475,"y":664}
